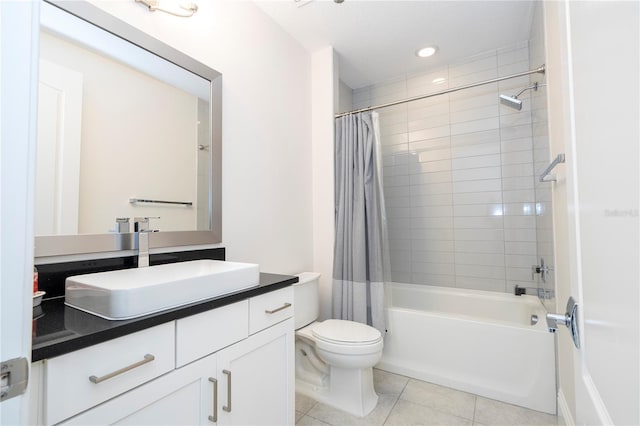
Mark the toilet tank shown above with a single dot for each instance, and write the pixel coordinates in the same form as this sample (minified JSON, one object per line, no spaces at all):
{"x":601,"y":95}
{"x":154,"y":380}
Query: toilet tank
{"x":305,"y":298}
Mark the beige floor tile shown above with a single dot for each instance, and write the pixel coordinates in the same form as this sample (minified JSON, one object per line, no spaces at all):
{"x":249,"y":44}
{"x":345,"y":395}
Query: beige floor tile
{"x":388,"y":383}
{"x":337,"y":417}
{"x":493,"y":413}
{"x":304,"y":403}
{"x":441,"y":398}
{"x":299,"y":415}
{"x":310,"y":421}
{"x":407,"y":413}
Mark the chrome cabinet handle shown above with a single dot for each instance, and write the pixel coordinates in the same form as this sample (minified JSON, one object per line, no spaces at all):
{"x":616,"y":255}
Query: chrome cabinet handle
{"x":285,"y":306}
{"x":227,"y":407}
{"x":214,"y":418}
{"x":147,"y":358}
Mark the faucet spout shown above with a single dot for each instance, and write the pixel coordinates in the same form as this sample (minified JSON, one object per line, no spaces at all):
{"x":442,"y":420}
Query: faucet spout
{"x":141,"y":228}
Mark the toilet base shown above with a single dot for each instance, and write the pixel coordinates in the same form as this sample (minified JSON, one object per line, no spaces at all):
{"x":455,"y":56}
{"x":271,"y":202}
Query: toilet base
{"x":349,"y":390}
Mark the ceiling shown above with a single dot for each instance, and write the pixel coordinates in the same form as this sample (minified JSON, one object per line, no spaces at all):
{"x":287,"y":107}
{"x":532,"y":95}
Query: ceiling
{"x":376,"y":40}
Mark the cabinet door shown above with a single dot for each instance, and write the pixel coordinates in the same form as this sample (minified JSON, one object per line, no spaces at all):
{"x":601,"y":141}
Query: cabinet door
{"x":256,"y":379}
{"x":183,"y":397}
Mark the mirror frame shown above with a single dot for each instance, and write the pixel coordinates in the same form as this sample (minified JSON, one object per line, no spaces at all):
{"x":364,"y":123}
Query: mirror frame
{"x":59,"y":245}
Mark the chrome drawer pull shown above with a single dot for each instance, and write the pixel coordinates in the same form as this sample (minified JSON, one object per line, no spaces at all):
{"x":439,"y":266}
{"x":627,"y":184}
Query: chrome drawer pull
{"x":214,"y":418}
{"x":285,"y":306}
{"x":147,"y":358}
{"x":227,"y":407}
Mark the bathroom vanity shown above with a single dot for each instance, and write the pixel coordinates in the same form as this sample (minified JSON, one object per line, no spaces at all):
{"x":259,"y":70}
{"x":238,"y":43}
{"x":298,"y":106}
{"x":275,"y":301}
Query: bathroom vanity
{"x":227,"y":360}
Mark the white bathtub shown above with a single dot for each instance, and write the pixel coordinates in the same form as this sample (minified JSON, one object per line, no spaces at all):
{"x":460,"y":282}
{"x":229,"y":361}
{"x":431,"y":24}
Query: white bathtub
{"x":475,"y":341}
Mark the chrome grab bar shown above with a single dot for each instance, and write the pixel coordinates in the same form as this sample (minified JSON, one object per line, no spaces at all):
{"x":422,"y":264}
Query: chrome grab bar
{"x":273,"y":311}
{"x":558,"y":160}
{"x":147,"y":358}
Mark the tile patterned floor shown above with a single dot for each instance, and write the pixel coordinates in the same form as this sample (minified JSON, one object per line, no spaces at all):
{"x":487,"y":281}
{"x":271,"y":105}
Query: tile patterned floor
{"x":405,"y":401}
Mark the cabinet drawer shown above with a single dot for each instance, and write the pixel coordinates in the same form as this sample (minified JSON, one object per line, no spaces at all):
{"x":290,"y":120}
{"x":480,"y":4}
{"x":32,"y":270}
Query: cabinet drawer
{"x":87,"y":377}
{"x":270,"y":308}
{"x":208,"y":332}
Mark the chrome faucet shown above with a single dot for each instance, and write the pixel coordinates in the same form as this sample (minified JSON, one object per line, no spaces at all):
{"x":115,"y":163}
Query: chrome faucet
{"x":141,"y":228}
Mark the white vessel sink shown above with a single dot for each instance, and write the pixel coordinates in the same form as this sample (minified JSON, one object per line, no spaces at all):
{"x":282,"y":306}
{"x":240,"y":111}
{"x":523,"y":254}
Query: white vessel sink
{"x":131,"y":293}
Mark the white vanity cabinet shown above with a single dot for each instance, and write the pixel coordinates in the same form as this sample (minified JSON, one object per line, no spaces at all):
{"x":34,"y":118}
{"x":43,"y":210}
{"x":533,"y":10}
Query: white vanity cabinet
{"x":223,"y":373}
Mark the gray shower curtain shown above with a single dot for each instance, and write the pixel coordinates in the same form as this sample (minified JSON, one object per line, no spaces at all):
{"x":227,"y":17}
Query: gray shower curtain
{"x":360,"y":263}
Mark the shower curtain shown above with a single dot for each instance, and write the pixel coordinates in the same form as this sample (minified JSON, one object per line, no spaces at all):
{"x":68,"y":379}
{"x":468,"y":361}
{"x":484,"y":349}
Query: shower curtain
{"x":361,"y":261}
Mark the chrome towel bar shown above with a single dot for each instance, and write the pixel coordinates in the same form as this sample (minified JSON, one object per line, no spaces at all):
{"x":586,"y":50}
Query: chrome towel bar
{"x":546,"y":176}
{"x":143,"y":200}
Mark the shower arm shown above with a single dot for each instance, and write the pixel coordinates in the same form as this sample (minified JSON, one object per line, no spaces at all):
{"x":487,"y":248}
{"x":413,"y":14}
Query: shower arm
{"x":539,"y":70}
{"x":534,"y":87}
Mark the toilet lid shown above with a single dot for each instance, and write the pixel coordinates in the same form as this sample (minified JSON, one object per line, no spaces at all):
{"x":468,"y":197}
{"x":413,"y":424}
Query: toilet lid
{"x":346,"y":332}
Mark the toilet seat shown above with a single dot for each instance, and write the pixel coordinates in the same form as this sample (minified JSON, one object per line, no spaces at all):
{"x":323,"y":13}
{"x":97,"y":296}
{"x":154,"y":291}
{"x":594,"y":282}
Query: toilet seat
{"x":340,"y":332}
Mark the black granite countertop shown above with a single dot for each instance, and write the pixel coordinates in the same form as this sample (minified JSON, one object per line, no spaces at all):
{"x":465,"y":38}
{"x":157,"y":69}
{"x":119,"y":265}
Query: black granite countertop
{"x":59,"y":329}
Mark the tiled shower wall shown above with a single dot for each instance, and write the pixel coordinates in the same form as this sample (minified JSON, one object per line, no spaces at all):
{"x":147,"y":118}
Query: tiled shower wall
{"x":459,"y":175}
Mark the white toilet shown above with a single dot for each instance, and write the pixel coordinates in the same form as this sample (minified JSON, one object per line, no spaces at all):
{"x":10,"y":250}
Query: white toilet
{"x":334,"y":358}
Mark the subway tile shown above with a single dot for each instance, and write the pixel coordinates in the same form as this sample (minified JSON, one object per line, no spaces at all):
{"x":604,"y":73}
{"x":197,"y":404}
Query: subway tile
{"x":477,"y":174}
{"x":478,"y":138}
{"x":519,"y":157}
{"x":398,"y":212}
{"x":515,"y":170}
{"x":479,"y":246}
{"x":476,"y":66}
{"x":401,"y":169}
{"x":519,"y":209}
{"x":513,"y":56}
{"x":520,"y":235}
{"x":476,"y":162}
{"x":517,"y":183}
{"x":401,"y":276}
{"x":477,"y":186}
{"x":399,"y":244}
{"x":477,"y":283}
{"x":397,"y":191}
{"x":480,"y":271}
{"x":515,"y":85}
{"x":490,"y":197}
{"x":511,"y":120}
{"x":400,"y":233}
{"x":398,"y":223}
{"x":433,"y":183}
{"x":515,"y":132}
{"x":432,"y":200}
{"x":475,"y":126}
{"x":432,"y":279}
{"x":475,"y":210}
{"x":436,"y":101}
{"x":395,"y":159}
{"x":474,"y":77}
{"x":479,"y":234}
{"x":475,"y":114}
{"x":431,"y":211}
{"x":432,"y":222}
{"x":513,"y":68}
{"x":518,"y":196}
{"x":396,"y":181}
{"x":399,"y":138}
{"x":421,"y":179}
{"x":520,"y":261}
{"x":526,"y":222}
{"x":488,"y":259}
{"x":433,"y":268}
{"x":432,"y":234}
{"x":400,"y":261}
{"x":488,"y":222}
{"x":430,"y":167}
{"x":433,"y":245}
{"x":433,"y":133}
{"x":472,"y":92}
{"x":520,"y":247}
{"x":429,"y":122}
{"x":522,"y":144}
{"x":394,"y":149}
{"x":520,"y":274}
{"x":389,"y":116}
{"x":474,"y":150}
{"x":434,"y":155}
{"x":470,"y":102}
{"x":432,"y":256}
{"x":393,"y":129}
{"x":426,"y":78}
{"x":423,"y":145}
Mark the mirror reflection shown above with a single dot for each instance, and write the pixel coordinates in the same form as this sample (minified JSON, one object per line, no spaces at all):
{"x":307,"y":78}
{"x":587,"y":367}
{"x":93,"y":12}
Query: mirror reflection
{"x":122,"y":133}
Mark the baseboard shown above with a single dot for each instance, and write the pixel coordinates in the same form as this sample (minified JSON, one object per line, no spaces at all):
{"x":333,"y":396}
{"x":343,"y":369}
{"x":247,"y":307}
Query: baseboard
{"x":564,"y":411}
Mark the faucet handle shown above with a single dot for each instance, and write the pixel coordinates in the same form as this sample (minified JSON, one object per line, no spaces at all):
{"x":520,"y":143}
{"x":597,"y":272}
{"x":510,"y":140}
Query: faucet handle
{"x":141,"y":224}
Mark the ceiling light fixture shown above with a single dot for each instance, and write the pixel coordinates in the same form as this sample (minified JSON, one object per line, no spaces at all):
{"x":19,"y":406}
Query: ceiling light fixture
{"x":425,"y":52}
{"x":186,"y":8}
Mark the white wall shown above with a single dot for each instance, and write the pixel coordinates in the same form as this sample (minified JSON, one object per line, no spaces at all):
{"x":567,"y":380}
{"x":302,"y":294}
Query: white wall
{"x":266,"y":179}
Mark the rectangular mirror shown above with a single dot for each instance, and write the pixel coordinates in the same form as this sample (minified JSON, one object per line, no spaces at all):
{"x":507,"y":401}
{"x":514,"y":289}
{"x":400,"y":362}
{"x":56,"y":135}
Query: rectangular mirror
{"x":127,"y":127}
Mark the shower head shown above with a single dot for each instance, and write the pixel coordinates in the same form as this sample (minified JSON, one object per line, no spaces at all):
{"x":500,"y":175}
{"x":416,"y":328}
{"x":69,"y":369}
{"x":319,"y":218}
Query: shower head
{"x":513,"y":101}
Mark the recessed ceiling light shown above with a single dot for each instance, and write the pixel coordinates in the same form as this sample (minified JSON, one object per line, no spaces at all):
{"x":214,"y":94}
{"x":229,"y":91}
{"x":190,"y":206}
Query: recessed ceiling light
{"x":425,"y":52}
{"x":439,"y":80}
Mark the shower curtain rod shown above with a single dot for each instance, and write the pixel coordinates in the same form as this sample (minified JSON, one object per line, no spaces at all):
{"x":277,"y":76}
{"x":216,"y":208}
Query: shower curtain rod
{"x":539,"y":70}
